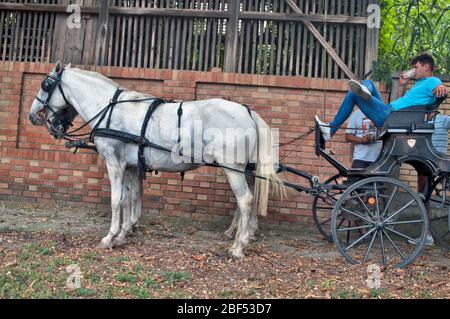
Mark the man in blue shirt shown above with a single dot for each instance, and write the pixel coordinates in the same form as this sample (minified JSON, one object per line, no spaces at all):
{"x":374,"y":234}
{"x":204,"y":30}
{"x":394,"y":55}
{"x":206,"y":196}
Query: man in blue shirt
{"x":424,"y":92}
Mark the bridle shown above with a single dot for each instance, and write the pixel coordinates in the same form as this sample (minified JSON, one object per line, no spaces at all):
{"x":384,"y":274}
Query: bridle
{"x":49,"y":85}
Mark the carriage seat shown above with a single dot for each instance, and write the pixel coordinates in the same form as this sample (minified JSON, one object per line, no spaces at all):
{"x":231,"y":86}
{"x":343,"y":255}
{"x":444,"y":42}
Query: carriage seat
{"x":414,"y":119}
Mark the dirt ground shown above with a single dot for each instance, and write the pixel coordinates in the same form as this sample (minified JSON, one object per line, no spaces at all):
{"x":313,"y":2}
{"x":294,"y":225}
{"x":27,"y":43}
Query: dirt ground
{"x":173,"y":257}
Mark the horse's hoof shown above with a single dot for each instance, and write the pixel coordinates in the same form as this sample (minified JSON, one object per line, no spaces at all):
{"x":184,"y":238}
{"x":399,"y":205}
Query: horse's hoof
{"x":236,"y":253}
{"x":105,"y":244}
{"x":229,"y":234}
{"x":120,"y":241}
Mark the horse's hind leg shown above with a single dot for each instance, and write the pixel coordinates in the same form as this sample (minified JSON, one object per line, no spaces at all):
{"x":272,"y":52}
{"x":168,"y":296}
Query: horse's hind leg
{"x":244,"y":201}
{"x":253,"y":226}
{"x":116,"y":174}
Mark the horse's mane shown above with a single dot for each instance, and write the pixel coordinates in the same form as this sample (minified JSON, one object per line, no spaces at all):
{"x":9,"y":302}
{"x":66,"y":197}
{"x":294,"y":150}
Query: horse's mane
{"x":96,"y":75}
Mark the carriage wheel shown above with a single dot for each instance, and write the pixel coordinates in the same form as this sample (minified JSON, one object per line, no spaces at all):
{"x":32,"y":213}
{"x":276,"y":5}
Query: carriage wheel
{"x":322,"y":207}
{"x":387,"y":221}
{"x":440,"y":223}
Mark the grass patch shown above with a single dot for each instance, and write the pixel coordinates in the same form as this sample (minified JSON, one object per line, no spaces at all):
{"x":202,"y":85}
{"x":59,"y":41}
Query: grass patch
{"x":126,"y":277}
{"x":173,"y":277}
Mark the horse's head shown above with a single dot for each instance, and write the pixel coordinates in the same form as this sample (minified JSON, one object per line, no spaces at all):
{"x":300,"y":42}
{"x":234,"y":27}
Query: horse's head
{"x":50,"y":107}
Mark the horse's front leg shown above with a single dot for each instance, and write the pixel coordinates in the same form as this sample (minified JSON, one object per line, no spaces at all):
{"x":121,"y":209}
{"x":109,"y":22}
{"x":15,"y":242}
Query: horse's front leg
{"x":127,"y":206}
{"x":116,"y":175}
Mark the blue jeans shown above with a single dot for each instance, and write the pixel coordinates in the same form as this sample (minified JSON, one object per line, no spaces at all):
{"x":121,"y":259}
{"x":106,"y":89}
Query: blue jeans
{"x":374,"y":109}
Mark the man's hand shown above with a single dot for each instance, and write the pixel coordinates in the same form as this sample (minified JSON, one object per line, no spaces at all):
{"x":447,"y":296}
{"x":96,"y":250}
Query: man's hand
{"x":440,"y":90}
{"x":403,"y":80}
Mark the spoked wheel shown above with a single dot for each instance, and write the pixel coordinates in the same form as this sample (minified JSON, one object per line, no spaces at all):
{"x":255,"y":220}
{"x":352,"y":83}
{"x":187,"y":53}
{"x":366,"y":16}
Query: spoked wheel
{"x":322,"y":207}
{"x":440,"y":221}
{"x":390,"y":218}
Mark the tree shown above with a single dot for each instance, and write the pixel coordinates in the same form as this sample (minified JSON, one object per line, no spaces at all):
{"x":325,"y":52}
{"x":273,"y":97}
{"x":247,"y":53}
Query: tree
{"x":410,"y":27}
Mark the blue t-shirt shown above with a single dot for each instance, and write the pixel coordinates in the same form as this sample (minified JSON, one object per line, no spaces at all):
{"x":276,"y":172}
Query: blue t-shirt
{"x":420,"y":94}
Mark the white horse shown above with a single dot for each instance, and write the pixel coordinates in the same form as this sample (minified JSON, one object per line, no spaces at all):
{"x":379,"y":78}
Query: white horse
{"x":71,"y":91}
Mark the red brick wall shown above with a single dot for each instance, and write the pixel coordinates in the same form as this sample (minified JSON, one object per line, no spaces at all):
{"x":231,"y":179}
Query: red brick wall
{"x":35,"y":167}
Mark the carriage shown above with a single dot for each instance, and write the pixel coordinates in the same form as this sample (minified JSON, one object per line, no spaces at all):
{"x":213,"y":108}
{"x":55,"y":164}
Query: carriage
{"x":367,"y":213}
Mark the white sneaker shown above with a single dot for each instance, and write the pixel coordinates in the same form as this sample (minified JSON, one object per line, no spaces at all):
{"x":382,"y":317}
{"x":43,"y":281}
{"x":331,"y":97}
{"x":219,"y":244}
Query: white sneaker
{"x":324,"y":128}
{"x":360,"y":90}
{"x":429,"y":241}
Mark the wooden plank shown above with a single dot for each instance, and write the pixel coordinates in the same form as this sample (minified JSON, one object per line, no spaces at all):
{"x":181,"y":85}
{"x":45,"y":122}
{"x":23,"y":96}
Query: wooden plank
{"x":15,"y":36}
{"x":165,"y":43}
{"x":298,"y":41}
{"x":231,"y":37}
{"x":247,"y":34}
{"x":241,"y":36}
{"x":338,"y":39}
{"x":147,"y":37}
{"x":171,"y":41}
{"x":177,"y":44}
{"x":311,"y":43}
{"x":7,"y":36}
{"x":189,"y":43}
{"x":280,"y":42}
{"x":3,"y":15}
{"x":214,"y":35}
{"x":285,"y":52}
{"x":201,"y":49}
{"x":153,"y":43}
{"x":184,"y":28}
{"x":331,"y":40}
{"x":260,"y":39}
{"x":351,"y":36}
{"x":362,"y":41}
{"x":246,"y":15}
{"x":122,"y":41}
{"x":305,"y":42}
{"x":255,"y":25}
{"x":128,"y":41}
{"x":28,"y":37}
{"x":319,"y":37}
{"x":141,"y":36}
{"x":221,"y":24}
{"x":46,"y":26}
{"x":317,"y":46}
{"x":372,"y":39}
{"x":272,"y":42}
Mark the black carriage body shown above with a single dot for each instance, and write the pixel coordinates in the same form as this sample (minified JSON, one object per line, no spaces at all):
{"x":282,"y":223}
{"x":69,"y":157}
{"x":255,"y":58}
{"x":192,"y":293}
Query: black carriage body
{"x":406,"y":137}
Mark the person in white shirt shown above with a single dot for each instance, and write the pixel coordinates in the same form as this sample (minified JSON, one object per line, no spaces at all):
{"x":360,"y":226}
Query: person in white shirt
{"x":361,"y":132}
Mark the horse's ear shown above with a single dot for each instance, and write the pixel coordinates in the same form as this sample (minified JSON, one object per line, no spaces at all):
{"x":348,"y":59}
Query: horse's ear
{"x":68,"y":65}
{"x":58,"y":67}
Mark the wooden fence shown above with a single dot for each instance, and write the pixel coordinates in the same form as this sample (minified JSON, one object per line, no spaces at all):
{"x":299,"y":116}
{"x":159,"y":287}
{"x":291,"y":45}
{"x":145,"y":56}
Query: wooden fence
{"x":313,"y":38}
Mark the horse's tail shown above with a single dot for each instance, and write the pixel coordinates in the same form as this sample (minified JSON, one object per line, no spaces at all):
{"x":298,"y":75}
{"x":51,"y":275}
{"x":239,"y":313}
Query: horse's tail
{"x":265,"y":168}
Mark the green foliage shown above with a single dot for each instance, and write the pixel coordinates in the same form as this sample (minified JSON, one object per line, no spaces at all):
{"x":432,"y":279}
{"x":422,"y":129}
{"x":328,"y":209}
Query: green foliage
{"x":410,"y":27}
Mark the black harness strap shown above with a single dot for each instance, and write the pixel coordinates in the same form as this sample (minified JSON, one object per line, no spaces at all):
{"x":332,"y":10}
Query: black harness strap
{"x":180,"y":113}
{"x":113,"y":103}
{"x":142,"y":141}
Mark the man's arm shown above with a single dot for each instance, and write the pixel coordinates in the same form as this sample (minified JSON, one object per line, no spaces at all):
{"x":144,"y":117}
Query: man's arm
{"x":440,"y":90}
{"x":358,"y":140}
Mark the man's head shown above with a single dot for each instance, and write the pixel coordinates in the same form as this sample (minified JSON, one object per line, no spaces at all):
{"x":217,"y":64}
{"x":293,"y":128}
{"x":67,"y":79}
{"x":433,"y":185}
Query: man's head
{"x":423,"y":64}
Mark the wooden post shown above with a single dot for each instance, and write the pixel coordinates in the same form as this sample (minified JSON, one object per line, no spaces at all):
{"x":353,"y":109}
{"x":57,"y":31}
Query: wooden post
{"x":395,"y":87}
{"x":101,"y":48}
{"x":372,"y":38}
{"x":232,"y":36}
